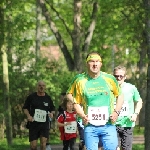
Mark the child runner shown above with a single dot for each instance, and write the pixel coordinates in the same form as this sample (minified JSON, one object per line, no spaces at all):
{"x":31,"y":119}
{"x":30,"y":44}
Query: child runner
{"x":67,"y":124}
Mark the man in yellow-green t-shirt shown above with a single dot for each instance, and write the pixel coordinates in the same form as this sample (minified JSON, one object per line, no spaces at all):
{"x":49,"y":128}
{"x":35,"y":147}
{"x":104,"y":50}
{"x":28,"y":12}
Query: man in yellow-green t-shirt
{"x":95,"y":91}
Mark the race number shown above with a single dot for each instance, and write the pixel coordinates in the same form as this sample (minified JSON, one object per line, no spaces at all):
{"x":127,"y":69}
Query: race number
{"x":98,"y":115}
{"x":72,"y":128}
{"x":124,"y":109}
{"x":40,"y":115}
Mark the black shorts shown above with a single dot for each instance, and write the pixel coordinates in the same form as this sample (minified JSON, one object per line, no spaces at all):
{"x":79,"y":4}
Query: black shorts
{"x":125,"y":137}
{"x":37,"y":129}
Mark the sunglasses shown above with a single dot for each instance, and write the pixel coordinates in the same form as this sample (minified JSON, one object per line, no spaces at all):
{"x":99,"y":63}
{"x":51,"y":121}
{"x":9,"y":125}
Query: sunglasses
{"x":119,"y":76}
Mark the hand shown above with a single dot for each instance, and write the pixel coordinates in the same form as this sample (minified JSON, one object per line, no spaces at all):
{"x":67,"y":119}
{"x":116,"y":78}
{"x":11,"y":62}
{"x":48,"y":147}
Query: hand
{"x":85,"y":119}
{"x":51,"y":115}
{"x":114,"y":117}
{"x":30,"y":118}
{"x":133,"y":117}
{"x":67,"y":123}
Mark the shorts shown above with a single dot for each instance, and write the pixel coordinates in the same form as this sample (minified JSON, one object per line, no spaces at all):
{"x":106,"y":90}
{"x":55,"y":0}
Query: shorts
{"x":125,"y":137}
{"x":107,"y":134}
{"x":37,"y":129}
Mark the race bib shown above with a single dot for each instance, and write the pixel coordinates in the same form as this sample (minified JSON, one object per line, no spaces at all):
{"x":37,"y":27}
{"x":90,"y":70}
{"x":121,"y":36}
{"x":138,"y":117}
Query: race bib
{"x":72,"y":128}
{"x":40,"y":115}
{"x":98,"y":115}
{"x":124,"y":109}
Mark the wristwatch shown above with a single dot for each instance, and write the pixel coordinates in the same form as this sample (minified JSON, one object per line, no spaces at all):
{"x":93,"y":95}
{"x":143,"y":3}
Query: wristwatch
{"x":118,"y":112}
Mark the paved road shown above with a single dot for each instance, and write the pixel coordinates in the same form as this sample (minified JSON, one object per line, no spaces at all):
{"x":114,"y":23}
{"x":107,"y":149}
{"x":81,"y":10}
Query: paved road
{"x":136,"y":140}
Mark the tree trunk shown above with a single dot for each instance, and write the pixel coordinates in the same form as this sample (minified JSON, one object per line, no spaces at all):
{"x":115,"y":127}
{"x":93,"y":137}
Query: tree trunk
{"x":54,"y":29}
{"x":7,"y":107}
{"x":147,"y":104}
{"x":142,"y":82}
{"x":38,"y":32}
{"x":77,"y":36}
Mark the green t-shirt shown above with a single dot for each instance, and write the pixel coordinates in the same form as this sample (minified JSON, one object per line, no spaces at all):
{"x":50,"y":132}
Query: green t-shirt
{"x":131,"y":95}
{"x":95,"y":92}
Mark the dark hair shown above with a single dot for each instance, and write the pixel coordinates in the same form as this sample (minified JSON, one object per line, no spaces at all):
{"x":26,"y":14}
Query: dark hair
{"x":92,"y":53}
{"x":63,"y":93}
{"x":64,"y":103}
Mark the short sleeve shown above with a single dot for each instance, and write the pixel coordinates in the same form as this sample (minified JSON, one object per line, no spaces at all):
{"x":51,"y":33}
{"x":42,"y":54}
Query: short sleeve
{"x":27,"y":103}
{"x":136,"y":95}
{"x":60,"y":118}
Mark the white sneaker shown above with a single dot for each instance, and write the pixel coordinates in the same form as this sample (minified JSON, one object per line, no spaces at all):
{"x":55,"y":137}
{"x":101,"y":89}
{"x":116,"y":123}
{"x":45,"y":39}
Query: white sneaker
{"x":48,"y":147}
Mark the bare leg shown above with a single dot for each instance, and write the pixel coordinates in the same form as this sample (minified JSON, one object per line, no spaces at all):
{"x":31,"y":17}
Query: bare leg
{"x":43,"y":141}
{"x":33,"y":145}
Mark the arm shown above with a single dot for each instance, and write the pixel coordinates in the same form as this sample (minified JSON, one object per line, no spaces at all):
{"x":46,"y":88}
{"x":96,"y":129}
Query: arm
{"x":51,"y":108}
{"x":27,"y":107}
{"x":138,"y":107}
{"x":51,"y":114}
{"x":29,"y":117}
{"x":119,"y":103}
{"x":78,"y":109}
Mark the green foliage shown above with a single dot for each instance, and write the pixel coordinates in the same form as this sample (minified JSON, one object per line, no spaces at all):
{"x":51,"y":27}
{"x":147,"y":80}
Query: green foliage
{"x":119,"y":26}
{"x":138,"y":130}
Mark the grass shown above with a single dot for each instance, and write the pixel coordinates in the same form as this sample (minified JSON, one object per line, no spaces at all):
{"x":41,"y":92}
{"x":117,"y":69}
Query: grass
{"x":138,"y":147}
{"x":138,"y":130}
{"x":18,"y":144}
{"x":23,"y":143}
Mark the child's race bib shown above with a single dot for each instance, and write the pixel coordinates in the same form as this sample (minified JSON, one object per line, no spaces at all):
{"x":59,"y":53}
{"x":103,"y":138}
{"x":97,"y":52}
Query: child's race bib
{"x":72,"y":128}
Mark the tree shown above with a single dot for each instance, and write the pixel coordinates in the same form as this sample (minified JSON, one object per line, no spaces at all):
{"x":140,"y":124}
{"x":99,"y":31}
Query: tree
{"x":6,"y":98}
{"x":147,"y":108}
{"x":75,"y":34}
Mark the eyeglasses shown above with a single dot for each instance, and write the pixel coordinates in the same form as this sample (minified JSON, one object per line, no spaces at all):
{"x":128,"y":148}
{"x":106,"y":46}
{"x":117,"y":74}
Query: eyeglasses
{"x":119,"y":76}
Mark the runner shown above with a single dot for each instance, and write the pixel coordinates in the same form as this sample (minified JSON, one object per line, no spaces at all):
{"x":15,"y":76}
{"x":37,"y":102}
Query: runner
{"x":67,"y":125}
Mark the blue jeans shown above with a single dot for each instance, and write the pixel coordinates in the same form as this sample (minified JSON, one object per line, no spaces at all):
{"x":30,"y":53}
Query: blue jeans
{"x":107,"y":134}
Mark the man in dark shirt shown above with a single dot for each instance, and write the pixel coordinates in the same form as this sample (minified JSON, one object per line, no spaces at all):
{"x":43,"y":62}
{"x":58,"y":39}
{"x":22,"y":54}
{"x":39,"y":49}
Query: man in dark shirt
{"x":38,"y":107}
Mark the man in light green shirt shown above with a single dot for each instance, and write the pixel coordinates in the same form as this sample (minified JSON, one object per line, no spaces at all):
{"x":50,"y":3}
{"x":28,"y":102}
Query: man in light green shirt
{"x":130,"y":109}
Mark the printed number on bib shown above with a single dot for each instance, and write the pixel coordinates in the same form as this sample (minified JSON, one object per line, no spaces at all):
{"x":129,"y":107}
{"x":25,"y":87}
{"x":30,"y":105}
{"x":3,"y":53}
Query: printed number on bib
{"x":98,"y":115}
{"x":40,"y":115}
{"x":72,"y":128}
{"x":124,"y":109}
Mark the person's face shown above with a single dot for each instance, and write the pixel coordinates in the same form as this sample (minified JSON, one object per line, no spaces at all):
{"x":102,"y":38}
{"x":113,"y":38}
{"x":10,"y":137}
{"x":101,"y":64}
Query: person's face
{"x":70,"y":106}
{"x":120,"y":76}
{"x":94,"y":66}
{"x":41,"y":87}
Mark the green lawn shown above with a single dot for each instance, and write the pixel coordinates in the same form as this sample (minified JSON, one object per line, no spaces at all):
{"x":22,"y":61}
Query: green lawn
{"x":23,"y":143}
{"x":138,"y":130}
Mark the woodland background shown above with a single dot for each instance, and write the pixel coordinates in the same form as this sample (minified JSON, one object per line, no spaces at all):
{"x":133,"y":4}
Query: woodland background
{"x":32,"y":31}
